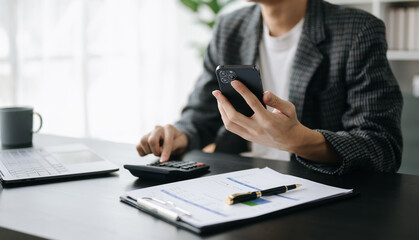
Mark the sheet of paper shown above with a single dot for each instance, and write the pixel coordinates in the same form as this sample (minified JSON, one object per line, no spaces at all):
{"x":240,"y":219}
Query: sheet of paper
{"x":205,"y":197}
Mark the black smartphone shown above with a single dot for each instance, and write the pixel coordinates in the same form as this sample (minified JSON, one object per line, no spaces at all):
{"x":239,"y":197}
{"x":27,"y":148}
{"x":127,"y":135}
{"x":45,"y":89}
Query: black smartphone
{"x":247,"y":74}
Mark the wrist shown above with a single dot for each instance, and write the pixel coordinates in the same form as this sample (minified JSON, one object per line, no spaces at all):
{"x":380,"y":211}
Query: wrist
{"x":313,"y":146}
{"x":305,"y":139}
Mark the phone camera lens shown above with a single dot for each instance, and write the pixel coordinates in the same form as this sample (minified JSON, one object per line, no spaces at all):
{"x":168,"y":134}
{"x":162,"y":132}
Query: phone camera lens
{"x":232,"y":75}
{"x":225,"y":80}
{"x":223,"y":73}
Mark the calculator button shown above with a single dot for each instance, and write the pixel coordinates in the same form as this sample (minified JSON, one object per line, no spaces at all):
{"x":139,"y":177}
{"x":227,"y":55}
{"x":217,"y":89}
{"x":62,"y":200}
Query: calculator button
{"x":185,"y":165}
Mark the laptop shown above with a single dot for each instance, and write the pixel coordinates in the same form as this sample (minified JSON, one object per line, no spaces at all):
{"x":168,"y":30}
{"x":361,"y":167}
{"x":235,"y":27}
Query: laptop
{"x":27,"y":165}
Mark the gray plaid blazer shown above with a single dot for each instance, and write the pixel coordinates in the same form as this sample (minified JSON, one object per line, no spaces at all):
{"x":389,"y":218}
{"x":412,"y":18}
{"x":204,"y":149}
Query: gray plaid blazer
{"x":341,"y":86}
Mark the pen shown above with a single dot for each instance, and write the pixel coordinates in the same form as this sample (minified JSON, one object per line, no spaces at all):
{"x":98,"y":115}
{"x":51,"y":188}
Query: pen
{"x":243,"y":197}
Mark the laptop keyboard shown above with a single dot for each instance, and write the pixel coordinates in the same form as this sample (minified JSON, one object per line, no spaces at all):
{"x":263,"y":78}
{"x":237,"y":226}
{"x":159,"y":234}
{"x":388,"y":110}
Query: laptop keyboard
{"x":31,"y":162}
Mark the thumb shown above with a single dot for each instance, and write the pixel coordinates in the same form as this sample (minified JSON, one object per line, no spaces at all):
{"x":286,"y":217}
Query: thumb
{"x":279,"y":105}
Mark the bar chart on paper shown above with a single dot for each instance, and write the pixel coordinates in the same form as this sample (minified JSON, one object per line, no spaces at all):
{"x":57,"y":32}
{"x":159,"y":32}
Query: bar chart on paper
{"x":204,"y":198}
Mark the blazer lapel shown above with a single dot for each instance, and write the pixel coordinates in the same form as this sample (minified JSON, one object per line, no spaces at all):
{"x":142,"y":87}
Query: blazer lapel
{"x":249,"y":50}
{"x":252,"y":33}
{"x":308,"y":57}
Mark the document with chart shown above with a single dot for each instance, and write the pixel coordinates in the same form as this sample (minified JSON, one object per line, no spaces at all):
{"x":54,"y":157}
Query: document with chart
{"x":201,"y":202}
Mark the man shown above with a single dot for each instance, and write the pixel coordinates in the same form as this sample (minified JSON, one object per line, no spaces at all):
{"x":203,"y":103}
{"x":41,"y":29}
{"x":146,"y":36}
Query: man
{"x":343,"y":105}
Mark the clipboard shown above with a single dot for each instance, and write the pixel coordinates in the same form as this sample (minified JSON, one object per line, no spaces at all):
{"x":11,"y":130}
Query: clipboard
{"x":220,"y":226}
{"x":212,"y":229}
{"x":132,"y":202}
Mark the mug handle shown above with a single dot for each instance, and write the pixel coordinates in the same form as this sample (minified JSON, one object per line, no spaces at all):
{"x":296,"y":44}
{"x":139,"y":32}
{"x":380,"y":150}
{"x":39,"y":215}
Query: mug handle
{"x":40,"y":120}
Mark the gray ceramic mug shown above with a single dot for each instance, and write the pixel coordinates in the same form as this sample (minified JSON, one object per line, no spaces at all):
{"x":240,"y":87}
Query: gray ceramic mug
{"x":16,"y":126}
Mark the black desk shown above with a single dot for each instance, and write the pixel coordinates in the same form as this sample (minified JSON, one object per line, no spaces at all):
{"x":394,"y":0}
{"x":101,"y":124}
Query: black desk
{"x":387,"y":207}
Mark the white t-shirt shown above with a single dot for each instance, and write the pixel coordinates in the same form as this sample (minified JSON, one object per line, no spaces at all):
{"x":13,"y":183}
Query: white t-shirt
{"x":276,"y":57}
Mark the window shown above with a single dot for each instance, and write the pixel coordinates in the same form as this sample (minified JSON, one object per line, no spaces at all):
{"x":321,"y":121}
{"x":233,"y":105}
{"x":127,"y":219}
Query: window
{"x":109,"y":69}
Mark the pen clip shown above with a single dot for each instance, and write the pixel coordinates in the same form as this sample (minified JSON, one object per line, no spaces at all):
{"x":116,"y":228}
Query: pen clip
{"x":179,"y":209}
{"x":169,"y":203}
{"x":148,"y":205}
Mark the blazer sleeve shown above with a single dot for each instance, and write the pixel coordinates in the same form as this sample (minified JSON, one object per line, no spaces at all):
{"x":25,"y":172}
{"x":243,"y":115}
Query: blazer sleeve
{"x":200,"y":119}
{"x":371,"y":139}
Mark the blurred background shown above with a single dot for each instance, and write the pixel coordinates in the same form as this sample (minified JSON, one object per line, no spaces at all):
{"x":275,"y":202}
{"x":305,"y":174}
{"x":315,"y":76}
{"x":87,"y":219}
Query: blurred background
{"x":108,"y":69}
{"x":112,"y":69}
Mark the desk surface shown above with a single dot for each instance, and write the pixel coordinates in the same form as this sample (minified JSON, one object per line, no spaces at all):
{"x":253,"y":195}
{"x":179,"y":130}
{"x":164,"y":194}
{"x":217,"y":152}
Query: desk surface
{"x":386,"y":207}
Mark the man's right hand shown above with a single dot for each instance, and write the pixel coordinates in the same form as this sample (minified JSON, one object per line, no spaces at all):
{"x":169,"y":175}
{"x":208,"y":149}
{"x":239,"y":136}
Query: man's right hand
{"x":163,"y":141}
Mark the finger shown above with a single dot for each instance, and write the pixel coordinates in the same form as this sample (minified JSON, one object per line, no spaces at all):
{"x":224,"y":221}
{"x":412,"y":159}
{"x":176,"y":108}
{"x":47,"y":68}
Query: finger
{"x":154,"y":140}
{"x":140,"y":150}
{"x":169,"y":135}
{"x":285,"y":107}
{"x":144,"y":144}
{"x":248,"y":96}
{"x":276,"y":111}
{"x":231,"y":126}
{"x":230,"y":112}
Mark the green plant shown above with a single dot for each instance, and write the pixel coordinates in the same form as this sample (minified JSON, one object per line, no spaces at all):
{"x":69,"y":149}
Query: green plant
{"x":198,"y":7}
{"x":215,"y":6}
